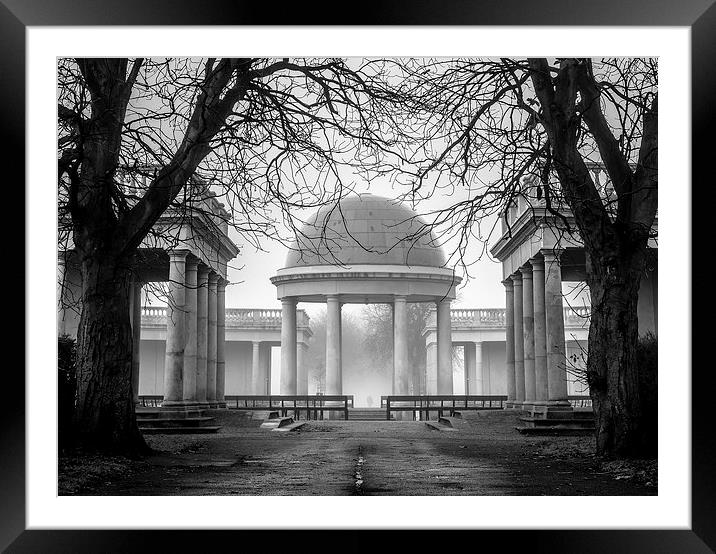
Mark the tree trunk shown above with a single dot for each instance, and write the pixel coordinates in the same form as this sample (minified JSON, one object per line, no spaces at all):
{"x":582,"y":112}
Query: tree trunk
{"x":104,"y":418}
{"x":612,"y":371}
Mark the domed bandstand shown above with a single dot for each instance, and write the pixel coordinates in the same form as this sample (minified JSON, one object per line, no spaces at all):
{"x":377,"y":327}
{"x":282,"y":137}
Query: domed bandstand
{"x":363,"y":250}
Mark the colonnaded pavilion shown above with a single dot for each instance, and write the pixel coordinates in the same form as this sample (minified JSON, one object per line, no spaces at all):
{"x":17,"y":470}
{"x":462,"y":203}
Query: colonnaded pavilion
{"x":368,"y":249}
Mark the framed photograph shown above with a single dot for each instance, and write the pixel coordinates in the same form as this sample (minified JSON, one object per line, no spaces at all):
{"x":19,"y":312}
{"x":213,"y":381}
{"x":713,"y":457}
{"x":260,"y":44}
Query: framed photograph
{"x":37,"y":37}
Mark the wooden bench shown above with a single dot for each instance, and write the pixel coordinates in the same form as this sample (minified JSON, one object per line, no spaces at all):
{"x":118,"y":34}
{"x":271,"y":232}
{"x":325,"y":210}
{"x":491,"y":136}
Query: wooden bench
{"x":313,"y":405}
{"x":424,"y":404}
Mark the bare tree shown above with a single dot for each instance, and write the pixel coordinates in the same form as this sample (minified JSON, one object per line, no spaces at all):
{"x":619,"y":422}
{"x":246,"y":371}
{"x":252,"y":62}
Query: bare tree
{"x":138,"y":137}
{"x":378,"y":338}
{"x":495,"y":131}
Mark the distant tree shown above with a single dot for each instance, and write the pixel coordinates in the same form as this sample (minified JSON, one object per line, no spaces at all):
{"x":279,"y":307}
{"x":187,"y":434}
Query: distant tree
{"x":378,"y":339}
{"x":267,"y":135}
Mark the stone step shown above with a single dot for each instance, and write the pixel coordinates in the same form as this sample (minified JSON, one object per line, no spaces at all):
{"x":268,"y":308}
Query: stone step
{"x":366,"y":414}
{"x":179,"y":430}
{"x":157,"y":413}
{"x":551,"y":413}
{"x":173,"y":422}
{"x":572,"y":423}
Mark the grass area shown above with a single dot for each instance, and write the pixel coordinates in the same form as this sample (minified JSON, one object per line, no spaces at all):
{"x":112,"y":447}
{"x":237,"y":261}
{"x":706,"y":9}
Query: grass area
{"x":79,"y":473}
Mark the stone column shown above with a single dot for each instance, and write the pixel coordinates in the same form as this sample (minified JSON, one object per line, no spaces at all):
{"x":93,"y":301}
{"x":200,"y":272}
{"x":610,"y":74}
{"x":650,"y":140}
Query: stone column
{"x":554,"y":328}
{"x":519,"y":341}
{"x":301,"y":369}
{"x":176,"y":341}
{"x":334,"y":377}
{"x":479,"y":387}
{"x":431,"y":369}
{"x":190,"y":347}
{"x":400,"y":345}
{"x":211,"y":342}
{"x":265,"y":380}
{"x":484,"y":369}
{"x":473,"y":376}
{"x":202,"y":332}
{"x":528,"y":334}
{"x":444,"y":348}
{"x":257,"y":380}
{"x":541,"y":390}
{"x":288,"y":346}
{"x":510,"y":341}
{"x":221,"y":342}
{"x":136,"y":337}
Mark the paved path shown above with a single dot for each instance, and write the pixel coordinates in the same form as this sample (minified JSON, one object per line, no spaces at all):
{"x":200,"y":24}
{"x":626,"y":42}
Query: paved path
{"x":484,"y":456}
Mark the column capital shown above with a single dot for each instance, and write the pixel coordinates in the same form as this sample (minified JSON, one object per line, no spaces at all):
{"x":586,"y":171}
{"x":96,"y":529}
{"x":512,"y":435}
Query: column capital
{"x":192,"y":263}
{"x":508,"y":284}
{"x":178,"y":254}
{"x":213,"y":278}
{"x":526,"y":271}
{"x":333,"y":298}
{"x":203,"y":270}
{"x":551,"y":254}
{"x":221,"y":283}
{"x":400,"y":298}
{"x":289,"y":300}
{"x":516,"y":279}
{"x":537,"y":263}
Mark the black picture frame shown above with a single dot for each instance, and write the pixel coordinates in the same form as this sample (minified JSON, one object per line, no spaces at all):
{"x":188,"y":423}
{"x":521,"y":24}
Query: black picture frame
{"x":699,"y":15}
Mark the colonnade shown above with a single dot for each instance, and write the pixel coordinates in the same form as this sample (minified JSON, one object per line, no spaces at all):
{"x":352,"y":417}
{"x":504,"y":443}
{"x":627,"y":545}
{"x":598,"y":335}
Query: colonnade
{"x":293,"y":372}
{"x":194,"y":368}
{"x":535,"y":356}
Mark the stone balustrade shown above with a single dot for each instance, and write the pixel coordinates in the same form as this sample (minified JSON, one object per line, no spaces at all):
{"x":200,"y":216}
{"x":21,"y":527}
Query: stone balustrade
{"x":235,"y":317}
{"x":574,"y":316}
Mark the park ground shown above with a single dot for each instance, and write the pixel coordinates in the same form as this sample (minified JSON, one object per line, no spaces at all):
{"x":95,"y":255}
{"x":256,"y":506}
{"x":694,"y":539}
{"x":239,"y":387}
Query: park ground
{"x":485,"y":455}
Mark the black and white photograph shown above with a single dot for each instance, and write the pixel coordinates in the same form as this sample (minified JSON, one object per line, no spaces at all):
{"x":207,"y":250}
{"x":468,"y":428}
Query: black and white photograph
{"x":402,"y":276}
{"x":325,"y":276}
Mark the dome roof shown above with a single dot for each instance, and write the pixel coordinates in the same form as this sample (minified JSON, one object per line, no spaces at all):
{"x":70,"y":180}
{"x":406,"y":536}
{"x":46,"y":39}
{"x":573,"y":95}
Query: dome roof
{"x":365,"y":229}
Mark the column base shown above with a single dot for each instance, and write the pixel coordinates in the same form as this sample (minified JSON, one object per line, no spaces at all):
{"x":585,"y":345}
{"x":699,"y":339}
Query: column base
{"x":221,"y":404}
{"x":528,"y":405}
{"x":179,"y":404}
{"x":558,"y":410}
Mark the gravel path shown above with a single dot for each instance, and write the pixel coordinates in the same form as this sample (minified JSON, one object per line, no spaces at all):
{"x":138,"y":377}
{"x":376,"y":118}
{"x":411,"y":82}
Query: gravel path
{"x":483,"y":456}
